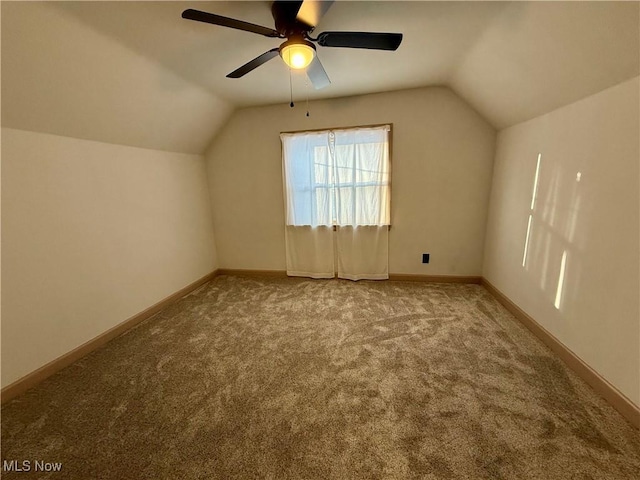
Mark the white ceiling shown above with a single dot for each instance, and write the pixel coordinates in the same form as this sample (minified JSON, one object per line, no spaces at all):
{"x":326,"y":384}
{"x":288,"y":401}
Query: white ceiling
{"x":136,"y":73}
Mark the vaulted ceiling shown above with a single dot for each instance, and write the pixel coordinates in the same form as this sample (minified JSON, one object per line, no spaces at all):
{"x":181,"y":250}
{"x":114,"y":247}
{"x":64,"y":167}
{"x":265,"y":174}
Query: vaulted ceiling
{"x":136,"y":73}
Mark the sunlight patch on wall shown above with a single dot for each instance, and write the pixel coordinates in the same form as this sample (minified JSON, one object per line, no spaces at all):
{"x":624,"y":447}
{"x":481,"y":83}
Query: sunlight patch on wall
{"x":577,"y":198}
{"x":563,"y":265}
{"x":526,"y":241}
{"x":534,"y":195}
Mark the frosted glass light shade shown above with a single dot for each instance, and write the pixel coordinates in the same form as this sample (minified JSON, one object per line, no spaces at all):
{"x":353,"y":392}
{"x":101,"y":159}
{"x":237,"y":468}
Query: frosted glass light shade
{"x":297,"y":55}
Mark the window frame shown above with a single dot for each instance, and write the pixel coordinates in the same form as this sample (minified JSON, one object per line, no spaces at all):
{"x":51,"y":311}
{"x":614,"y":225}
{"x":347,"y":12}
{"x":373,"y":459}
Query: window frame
{"x":353,"y":127}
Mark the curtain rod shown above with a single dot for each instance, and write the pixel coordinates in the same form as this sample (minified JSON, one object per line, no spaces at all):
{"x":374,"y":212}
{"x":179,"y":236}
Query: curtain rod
{"x":341,"y":128}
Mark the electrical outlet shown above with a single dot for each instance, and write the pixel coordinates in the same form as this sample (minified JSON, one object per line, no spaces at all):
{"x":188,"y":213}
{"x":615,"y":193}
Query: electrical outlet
{"x":425,"y":258}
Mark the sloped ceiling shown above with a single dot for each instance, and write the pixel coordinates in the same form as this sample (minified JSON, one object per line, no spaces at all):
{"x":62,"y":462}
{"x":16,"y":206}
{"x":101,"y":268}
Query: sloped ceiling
{"x":536,"y":57}
{"x":62,"y":76}
{"x":136,"y":73}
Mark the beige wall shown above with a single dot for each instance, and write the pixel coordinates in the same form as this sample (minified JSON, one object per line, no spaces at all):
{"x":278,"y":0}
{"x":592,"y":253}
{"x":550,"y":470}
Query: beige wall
{"x":92,"y":233}
{"x":441,"y":172}
{"x":594,"y":220}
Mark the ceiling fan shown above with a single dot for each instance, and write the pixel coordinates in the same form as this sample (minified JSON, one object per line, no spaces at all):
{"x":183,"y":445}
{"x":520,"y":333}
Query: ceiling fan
{"x":295,"y":21}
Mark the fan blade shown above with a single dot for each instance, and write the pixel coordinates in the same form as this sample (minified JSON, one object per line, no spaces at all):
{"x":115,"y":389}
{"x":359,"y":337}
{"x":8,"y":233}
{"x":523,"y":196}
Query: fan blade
{"x":205,"y":17}
{"x":317,"y":75}
{"x":311,"y":11}
{"x":374,"y":41}
{"x":255,"y":63}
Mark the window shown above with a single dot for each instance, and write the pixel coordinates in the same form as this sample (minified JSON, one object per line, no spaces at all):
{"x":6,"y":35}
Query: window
{"x":337,"y":177}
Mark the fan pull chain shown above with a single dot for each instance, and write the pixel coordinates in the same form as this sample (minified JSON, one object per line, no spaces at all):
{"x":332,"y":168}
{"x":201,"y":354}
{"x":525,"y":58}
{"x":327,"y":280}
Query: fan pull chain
{"x":306,"y":84}
{"x":290,"y":87}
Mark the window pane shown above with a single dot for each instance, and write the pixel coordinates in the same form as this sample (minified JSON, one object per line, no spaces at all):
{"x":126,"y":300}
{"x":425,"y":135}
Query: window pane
{"x":370,"y":205}
{"x":322,"y":166}
{"x":337,"y":177}
{"x":345,"y":206}
{"x":344,"y":160}
{"x":371,"y":164}
{"x":323,"y":211}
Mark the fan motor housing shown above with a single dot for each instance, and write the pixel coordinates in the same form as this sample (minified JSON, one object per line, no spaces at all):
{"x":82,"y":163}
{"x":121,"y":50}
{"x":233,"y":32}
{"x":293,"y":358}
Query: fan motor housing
{"x":284,"y":15}
{"x":297,"y":40}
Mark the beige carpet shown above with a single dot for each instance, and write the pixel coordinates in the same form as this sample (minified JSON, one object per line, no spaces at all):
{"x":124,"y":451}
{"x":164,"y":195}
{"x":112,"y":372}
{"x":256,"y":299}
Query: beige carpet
{"x":306,"y":379}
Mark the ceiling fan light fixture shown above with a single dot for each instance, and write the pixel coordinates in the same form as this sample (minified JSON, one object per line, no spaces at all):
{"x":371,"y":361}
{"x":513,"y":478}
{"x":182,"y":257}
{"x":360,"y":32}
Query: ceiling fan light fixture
{"x":297,"y":53}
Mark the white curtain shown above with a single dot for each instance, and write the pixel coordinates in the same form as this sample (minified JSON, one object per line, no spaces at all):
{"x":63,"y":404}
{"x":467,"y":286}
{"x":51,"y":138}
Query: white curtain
{"x":337,"y":178}
{"x":363,"y":252}
{"x":310,"y":251}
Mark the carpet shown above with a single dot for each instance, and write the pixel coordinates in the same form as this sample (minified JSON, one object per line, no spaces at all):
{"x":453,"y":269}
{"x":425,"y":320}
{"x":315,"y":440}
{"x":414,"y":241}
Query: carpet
{"x":283,"y":378}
